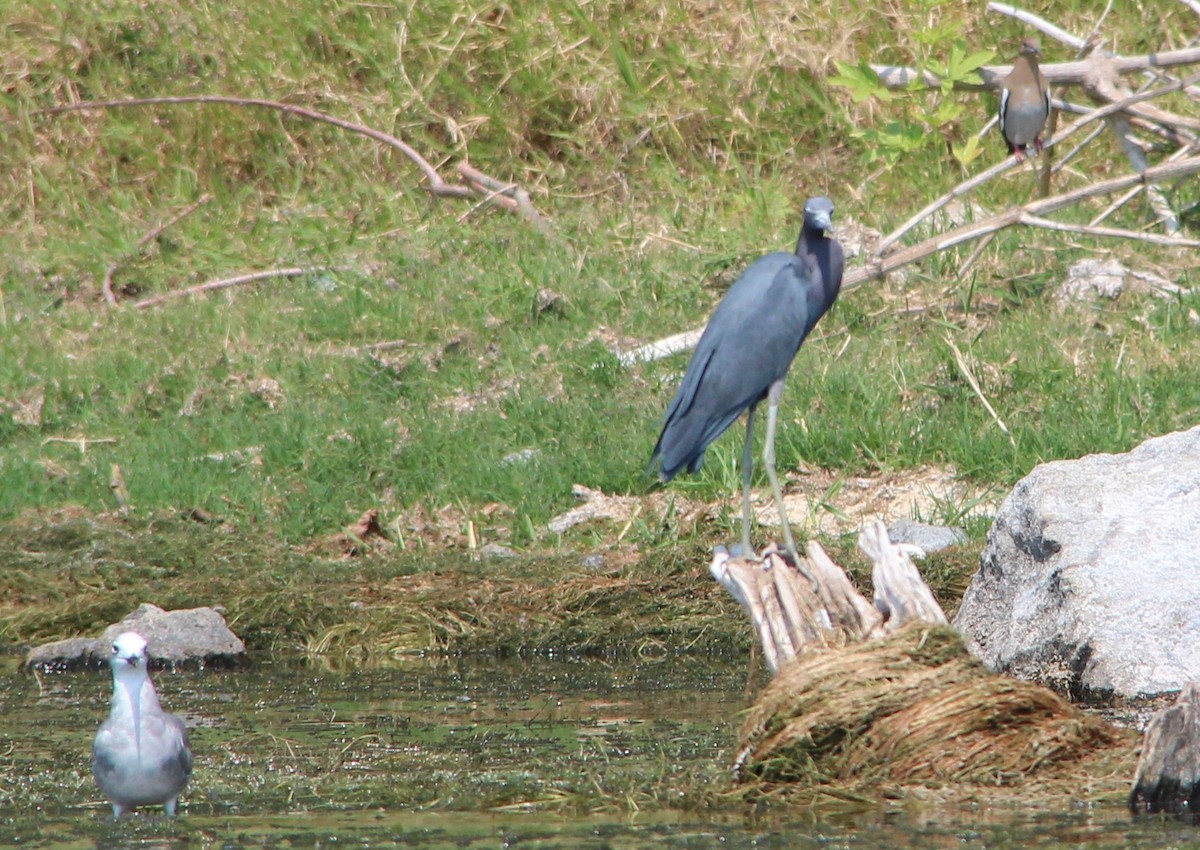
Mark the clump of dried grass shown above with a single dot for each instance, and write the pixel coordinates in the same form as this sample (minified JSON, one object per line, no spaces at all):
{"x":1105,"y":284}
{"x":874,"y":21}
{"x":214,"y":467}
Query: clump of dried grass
{"x":915,"y":708}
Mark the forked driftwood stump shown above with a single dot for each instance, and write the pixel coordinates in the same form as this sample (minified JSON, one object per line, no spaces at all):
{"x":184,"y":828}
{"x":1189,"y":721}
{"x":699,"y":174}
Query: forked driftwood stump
{"x":869,"y":695}
{"x":790,"y":615}
{"x":1168,"y":771}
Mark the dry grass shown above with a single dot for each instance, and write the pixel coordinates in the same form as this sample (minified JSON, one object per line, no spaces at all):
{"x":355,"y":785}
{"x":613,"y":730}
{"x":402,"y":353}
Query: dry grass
{"x":917,"y":709}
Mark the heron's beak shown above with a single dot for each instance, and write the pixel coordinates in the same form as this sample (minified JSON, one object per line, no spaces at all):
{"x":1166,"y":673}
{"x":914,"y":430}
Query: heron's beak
{"x":823,"y":221}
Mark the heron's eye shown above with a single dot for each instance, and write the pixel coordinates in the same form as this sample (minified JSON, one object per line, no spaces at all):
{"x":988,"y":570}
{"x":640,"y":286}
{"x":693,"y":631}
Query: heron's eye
{"x":116,"y":651}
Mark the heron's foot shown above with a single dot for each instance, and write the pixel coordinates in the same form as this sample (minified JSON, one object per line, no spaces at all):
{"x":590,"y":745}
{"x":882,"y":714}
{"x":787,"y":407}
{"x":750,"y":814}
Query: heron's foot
{"x":797,"y":562}
{"x":742,"y":550}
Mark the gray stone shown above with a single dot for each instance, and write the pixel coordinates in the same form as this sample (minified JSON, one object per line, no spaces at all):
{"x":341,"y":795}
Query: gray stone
{"x":1092,"y":278}
{"x":929,"y":538}
{"x":192,"y":635}
{"x":492,"y":551}
{"x":1090,"y":580}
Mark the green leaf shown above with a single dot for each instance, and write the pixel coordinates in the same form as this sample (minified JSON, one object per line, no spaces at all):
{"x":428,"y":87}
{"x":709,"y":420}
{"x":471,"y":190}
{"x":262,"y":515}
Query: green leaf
{"x":862,"y":82}
{"x":968,"y":152}
{"x":624,"y":65}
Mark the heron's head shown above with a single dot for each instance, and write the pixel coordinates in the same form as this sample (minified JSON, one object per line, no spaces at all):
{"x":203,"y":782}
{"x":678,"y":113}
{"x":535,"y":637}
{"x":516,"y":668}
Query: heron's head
{"x":129,"y":653}
{"x":1031,"y":47}
{"x":818,"y":214}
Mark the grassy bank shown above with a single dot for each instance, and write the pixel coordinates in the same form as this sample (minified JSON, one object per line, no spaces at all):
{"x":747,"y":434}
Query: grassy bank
{"x":669,"y":144}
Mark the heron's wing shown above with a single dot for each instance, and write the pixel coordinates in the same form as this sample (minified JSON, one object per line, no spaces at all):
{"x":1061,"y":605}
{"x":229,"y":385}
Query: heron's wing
{"x":748,"y":345}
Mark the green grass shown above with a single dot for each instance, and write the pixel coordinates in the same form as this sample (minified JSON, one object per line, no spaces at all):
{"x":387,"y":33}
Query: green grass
{"x":670,"y":145}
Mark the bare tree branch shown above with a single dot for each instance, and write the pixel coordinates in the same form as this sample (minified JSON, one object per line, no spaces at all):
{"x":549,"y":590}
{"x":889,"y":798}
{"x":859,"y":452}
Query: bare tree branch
{"x":1009,"y":162}
{"x":1111,"y":232}
{"x":1058,"y":73}
{"x":1038,"y":23}
{"x":879,"y":267}
{"x":435,"y":184}
{"x":107,"y":286}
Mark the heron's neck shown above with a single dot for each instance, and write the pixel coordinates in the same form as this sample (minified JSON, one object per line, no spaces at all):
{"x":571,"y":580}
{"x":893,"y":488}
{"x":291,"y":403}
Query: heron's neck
{"x":814,"y":248}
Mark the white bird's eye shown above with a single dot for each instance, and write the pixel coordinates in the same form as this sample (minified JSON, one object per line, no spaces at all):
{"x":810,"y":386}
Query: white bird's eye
{"x":116,"y":649}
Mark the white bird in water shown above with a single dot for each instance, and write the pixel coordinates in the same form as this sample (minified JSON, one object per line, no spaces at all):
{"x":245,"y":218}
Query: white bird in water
{"x":140,"y":756}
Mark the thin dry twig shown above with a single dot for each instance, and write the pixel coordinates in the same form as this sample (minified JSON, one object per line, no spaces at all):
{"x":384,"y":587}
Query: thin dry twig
{"x":975,"y":255}
{"x":436,"y":185}
{"x":151,"y":235}
{"x":82,"y":443}
{"x":1114,"y":232}
{"x":225,"y":283}
{"x":966,"y":371}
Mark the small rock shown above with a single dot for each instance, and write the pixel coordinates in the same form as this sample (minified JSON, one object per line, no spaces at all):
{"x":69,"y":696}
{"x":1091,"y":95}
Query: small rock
{"x":523,"y":456}
{"x":191,"y":635}
{"x":495,"y":550}
{"x":269,"y":392}
{"x":930,"y":538}
{"x":1094,"y":277}
{"x":594,"y":561}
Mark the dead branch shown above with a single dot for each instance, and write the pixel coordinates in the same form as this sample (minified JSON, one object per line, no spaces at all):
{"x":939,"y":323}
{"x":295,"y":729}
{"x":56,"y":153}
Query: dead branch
{"x":901,"y":595}
{"x":151,"y":235}
{"x":659,"y":349}
{"x":878,"y":267}
{"x":1112,"y":232}
{"x":791,"y":617}
{"x":490,"y":187}
{"x":1009,"y":162}
{"x":435,"y":184}
{"x":225,"y":283}
{"x":1076,"y":73}
{"x":1040,"y":24}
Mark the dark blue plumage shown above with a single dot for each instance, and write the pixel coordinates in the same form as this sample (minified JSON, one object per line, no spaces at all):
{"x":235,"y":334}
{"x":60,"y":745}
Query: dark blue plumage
{"x":747,"y":348}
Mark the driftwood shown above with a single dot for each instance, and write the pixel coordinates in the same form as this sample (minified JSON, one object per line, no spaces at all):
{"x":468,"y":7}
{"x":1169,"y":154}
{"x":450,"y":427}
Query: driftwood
{"x":1168,"y":771}
{"x":867,"y":694}
{"x":789,"y":615}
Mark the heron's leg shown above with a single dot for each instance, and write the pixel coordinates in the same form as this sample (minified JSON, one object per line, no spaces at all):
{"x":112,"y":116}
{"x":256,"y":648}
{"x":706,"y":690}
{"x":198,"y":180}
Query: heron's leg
{"x":747,"y":468}
{"x":769,"y":462}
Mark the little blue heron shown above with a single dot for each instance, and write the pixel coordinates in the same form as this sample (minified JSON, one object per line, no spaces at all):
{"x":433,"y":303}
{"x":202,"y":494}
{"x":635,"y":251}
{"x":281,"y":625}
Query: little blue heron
{"x":744,"y":355}
{"x":140,"y":756}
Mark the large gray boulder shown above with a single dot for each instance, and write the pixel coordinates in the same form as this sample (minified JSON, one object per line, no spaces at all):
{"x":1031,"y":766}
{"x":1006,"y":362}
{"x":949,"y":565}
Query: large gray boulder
{"x":183,"y":636}
{"x":1090,"y":580}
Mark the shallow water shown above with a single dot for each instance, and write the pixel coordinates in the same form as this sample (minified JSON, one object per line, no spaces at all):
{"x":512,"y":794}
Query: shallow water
{"x":467,"y":753}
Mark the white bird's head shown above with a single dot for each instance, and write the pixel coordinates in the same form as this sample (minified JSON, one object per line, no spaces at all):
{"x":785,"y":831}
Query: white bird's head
{"x":129,"y":658}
